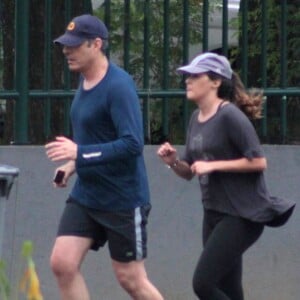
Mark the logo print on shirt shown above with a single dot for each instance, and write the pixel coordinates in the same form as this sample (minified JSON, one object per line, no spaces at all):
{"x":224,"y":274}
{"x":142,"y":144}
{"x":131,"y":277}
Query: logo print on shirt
{"x":197,"y":148}
{"x":91,"y":155}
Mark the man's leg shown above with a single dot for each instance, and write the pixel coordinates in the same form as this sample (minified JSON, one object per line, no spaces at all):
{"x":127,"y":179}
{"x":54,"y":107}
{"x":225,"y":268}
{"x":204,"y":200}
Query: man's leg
{"x":133,"y":278}
{"x":66,"y":258}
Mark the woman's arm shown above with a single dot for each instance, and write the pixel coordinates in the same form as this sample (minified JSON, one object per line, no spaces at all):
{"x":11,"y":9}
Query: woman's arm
{"x":182,"y":169}
{"x":169,"y":156}
{"x":241,"y":165}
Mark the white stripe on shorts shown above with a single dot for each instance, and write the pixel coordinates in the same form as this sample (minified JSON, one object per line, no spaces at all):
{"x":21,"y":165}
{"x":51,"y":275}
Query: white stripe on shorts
{"x":138,"y":233}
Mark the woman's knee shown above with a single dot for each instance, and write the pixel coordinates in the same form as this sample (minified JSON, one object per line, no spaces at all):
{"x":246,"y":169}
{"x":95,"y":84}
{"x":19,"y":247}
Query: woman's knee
{"x":201,"y":285}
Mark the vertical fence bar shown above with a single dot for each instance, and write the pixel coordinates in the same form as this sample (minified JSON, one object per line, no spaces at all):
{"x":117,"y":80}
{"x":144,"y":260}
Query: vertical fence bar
{"x":67,"y":75}
{"x":87,"y":6}
{"x":126,"y":33}
{"x":244,"y":75}
{"x":283,"y":45}
{"x":283,"y":118}
{"x":165,"y":84}
{"x":205,"y":17}
{"x":47,"y":66}
{"x":146,"y":72}
{"x":264,"y":49}
{"x":225,"y":28}
{"x":21,"y":42}
{"x":264,"y":130}
{"x":283,"y":68}
{"x":185,"y":41}
{"x":107,"y":21}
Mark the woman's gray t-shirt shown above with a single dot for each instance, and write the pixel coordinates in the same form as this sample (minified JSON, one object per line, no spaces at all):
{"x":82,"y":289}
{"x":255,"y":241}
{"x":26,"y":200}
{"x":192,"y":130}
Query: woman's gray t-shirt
{"x":230,"y":135}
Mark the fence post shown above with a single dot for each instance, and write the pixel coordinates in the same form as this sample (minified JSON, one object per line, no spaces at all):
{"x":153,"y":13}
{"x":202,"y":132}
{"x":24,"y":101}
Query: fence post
{"x":21,"y":48}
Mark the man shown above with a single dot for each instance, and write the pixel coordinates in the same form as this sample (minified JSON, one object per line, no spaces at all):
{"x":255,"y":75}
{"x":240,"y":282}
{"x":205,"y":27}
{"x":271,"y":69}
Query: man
{"x":109,"y":201}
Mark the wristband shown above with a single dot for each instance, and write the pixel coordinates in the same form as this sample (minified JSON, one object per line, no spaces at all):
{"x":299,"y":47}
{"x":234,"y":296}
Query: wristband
{"x":174,"y":164}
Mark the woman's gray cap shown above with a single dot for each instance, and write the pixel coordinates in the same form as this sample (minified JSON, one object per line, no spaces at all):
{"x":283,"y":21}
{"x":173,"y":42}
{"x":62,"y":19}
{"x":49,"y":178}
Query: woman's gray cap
{"x":206,"y":62}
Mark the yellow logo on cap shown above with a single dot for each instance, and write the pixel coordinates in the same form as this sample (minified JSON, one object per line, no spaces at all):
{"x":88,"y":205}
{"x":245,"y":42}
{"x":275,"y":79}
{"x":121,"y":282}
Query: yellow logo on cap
{"x":71,"y":26}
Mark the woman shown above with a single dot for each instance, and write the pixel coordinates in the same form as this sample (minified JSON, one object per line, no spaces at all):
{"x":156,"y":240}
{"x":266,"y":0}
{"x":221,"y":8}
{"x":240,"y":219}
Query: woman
{"x":223,"y":150}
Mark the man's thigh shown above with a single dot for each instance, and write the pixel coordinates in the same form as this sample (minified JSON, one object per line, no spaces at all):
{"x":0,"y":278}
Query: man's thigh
{"x":70,"y":249}
{"x":76,"y":222}
{"x":127,"y":234}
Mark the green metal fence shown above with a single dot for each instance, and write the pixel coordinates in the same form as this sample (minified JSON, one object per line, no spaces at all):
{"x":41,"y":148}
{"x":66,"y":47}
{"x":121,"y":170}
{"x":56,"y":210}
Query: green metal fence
{"x":279,"y":123}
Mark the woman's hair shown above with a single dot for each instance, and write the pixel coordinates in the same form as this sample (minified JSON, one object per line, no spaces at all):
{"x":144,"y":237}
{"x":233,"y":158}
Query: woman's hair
{"x":233,"y":90}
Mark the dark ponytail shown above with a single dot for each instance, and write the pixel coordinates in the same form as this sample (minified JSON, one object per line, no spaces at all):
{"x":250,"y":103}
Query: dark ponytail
{"x":233,"y":90}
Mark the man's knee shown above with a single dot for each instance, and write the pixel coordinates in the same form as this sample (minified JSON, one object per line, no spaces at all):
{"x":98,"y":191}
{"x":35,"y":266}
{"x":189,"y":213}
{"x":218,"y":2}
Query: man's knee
{"x":126,"y":279}
{"x":130,"y":276}
{"x":62,"y":267}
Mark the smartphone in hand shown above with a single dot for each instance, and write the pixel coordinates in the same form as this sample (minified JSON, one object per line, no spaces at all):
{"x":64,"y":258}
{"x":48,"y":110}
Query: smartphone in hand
{"x":59,"y":176}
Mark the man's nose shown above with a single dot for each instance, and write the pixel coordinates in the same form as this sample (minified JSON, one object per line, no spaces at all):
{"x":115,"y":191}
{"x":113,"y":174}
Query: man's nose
{"x":65,"y":49}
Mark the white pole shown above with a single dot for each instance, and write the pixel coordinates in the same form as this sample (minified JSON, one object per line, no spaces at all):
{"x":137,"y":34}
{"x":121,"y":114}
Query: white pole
{"x":7,"y":176}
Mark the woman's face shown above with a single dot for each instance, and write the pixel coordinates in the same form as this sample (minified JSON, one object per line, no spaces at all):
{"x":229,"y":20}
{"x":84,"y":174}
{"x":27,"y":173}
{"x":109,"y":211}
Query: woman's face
{"x":200,"y":86}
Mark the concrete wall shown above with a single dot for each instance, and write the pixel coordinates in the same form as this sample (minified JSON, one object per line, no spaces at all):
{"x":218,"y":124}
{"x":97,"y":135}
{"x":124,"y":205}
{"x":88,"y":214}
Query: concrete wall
{"x":271,"y":266}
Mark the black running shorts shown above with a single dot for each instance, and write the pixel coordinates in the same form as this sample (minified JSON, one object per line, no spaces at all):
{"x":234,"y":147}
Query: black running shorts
{"x":125,"y":231}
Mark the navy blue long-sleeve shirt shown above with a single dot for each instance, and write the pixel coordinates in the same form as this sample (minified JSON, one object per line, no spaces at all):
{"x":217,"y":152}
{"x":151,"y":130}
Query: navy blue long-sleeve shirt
{"x":107,"y":127}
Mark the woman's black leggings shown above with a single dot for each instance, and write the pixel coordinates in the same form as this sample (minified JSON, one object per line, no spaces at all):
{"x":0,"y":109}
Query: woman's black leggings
{"x":218,"y":274}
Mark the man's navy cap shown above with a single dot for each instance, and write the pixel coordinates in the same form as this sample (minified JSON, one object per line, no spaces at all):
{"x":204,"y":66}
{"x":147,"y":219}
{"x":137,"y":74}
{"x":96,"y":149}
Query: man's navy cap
{"x":206,"y":62}
{"x":82,"y":28}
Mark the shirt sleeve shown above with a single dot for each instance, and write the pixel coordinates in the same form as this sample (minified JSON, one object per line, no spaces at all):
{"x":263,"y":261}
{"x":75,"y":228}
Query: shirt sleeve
{"x":126,"y":116}
{"x":242,"y":133}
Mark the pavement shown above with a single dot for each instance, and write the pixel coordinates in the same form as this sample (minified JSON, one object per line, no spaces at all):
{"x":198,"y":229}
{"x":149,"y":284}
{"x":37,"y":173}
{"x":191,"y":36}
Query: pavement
{"x":271,"y":266}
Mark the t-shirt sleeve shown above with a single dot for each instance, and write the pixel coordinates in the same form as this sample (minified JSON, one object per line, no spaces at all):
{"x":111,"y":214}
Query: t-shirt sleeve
{"x":242,"y":133}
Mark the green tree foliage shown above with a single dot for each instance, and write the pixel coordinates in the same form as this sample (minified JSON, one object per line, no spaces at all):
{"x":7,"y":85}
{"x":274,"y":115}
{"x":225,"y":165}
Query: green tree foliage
{"x":154,"y":66}
{"x":282,"y":52}
{"x":42,"y":74}
{"x":275,"y":42}
{"x":166,"y":51}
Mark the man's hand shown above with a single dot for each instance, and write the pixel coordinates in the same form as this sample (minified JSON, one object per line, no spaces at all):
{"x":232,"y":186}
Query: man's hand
{"x":68,"y":169}
{"x":61,"y":149}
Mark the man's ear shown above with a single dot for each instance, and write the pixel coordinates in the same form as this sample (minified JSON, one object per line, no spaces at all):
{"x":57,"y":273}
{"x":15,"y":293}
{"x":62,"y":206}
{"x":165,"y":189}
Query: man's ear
{"x":99,"y":43}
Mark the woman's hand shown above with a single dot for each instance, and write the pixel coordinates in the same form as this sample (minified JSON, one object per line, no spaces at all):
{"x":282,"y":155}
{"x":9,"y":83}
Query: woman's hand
{"x":201,"y":167}
{"x":167,"y":153}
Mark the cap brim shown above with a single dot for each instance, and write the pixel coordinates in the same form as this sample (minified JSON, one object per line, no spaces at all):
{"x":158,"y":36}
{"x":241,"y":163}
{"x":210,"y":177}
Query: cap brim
{"x":70,"y":40}
{"x":191,"y":70}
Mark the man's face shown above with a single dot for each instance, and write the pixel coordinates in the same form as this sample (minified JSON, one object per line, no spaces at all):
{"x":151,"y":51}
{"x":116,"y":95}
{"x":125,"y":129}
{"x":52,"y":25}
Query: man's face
{"x":81,"y":57}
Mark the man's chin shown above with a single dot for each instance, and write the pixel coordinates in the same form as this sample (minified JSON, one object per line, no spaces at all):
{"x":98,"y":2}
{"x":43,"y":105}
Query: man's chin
{"x":74,"y":68}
